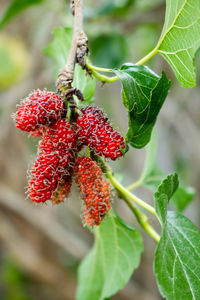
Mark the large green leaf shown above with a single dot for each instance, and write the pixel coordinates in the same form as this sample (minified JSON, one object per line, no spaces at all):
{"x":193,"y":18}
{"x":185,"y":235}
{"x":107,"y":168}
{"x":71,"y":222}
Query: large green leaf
{"x":58,"y":50}
{"x":110,"y":263}
{"x":177,"y":256}
{"x":180,"y":38}
{"x":141,"y":122}
{"x":15,"y":7}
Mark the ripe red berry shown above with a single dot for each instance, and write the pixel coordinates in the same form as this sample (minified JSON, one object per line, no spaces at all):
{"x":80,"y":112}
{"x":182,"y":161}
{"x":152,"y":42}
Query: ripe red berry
{"x":38,"y":132}
{"x":55,"y":160}
{"x":95,"y":190}
{"x":38,"y":109}
{"x":94,"y":130}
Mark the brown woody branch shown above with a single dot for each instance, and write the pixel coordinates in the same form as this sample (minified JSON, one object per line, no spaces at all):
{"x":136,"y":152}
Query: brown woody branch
{"x":77,"y":50}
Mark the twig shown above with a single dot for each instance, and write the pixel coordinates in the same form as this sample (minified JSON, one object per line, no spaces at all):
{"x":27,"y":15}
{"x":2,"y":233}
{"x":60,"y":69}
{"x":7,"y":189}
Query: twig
{"x":77,"y":50}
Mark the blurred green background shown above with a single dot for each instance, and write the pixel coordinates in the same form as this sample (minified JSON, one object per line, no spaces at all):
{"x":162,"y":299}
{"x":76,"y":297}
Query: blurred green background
{"x":41,"y":246}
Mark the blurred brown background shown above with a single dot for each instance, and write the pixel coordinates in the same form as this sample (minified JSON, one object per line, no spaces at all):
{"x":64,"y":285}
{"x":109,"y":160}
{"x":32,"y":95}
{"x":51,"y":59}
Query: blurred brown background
{"x":41,"y":246}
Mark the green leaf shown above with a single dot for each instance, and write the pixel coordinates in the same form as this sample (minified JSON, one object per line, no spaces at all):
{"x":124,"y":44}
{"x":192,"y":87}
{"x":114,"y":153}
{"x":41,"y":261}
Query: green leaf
{"x":110,"y":263}
{"x":58,"y":50}
{"x":143,"y":95}
{"x":177,"y":258}
{"x":141,"y":123}
{"x":182,"y":196}
{"x":180,"y":38}
{"x":164,"y":193}
{"x":138,"y":83}
{"x":15,"y":7}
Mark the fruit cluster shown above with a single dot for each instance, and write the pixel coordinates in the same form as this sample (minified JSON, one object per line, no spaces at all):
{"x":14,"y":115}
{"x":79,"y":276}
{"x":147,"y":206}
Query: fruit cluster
{"x":43,"y":114}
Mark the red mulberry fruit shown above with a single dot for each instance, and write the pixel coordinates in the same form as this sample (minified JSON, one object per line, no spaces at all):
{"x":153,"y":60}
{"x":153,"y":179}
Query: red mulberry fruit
{"x":95,"y":190}
{"x":94,"y":130}
{"x":55,"y":161}
{"x":38,"y":132}
{"x":38,"y":109}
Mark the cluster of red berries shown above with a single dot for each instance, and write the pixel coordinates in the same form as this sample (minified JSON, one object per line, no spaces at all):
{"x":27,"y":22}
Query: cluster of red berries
{"x":43,"y":114}
{"x":54,"y":162}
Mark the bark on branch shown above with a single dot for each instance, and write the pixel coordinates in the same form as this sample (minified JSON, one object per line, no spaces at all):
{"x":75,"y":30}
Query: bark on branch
{"x":78,"y":48}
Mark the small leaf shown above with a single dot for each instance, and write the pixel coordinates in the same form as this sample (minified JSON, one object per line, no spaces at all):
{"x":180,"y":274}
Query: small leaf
{"x":180,"y":38}
{"x":182,"y":196}
{"x":112,"y":260}
{"x":15,"y":7}
{"x":58,"y":49}
{"x":164,"y":193}
{"x":177,"y":258}
{"x":141,"y":123}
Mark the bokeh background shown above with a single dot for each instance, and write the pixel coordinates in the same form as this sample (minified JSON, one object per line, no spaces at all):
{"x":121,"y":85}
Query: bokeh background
{"x":41,"y":246}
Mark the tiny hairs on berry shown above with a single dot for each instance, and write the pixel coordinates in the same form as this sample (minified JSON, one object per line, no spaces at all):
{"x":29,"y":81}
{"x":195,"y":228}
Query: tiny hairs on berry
{"x":95,"y":190}
{"x":94,"y":130}
{"x":54,"y":161}
{"x":38,"y":109}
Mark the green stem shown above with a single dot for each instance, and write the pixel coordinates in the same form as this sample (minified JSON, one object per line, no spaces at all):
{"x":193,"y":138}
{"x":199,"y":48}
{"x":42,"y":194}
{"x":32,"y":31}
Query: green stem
{"x":95,"y":70}
{"x":142,"y":220}
{"x":104,"y":78}
{"x":134,"y":185}
{"x":128,"y":194}
{"x":147,"y":57}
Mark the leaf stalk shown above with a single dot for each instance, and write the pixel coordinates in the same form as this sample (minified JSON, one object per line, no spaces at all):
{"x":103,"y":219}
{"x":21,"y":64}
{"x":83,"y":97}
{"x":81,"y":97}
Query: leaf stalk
{"x":95,"y":70}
